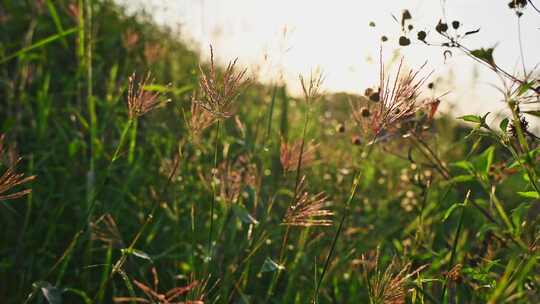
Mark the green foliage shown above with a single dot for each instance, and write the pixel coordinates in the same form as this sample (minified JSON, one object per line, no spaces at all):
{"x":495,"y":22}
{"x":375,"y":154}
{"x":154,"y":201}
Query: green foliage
{"x":434,"y":211}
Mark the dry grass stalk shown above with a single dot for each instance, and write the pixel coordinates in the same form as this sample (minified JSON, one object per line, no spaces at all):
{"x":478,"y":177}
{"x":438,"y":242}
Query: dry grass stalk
{"x":10,"y":178}
{"x":104,"y":229}
{"x":289,"y":155}
{"x":141,"y":100}
{"x":199,"y":120}
{"x":395,"y":102}
{"x":232,"y":177}
{"x":220,"y":92}
{"x":388,"y":286}
{"x":307,"y":209}
{"x":153,"y":295}
{"x":311,"y":88}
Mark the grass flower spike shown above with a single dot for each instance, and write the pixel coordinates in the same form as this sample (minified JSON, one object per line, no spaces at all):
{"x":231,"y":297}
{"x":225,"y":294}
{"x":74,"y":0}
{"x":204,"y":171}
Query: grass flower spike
{"x":140,"y":100}
{"x":220,"y":92}
{"x":308,"y":209}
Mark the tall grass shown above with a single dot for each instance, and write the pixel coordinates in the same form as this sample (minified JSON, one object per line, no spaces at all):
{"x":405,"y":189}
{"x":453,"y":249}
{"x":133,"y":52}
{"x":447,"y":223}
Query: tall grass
{"x":242,"y":193}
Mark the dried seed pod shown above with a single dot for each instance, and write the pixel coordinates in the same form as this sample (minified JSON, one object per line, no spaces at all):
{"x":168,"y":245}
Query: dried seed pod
{"x":368,"y":92}
{"x":422,"y":36}
{"x":404,"y":41}
{"x":365,"y":112}
{"x":375,"y":97}
{"x":441,"y":27}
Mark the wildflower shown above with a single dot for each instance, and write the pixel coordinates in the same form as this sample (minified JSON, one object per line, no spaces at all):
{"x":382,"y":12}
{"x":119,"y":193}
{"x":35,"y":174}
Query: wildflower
{"x":307,"y":209}
{"x":394,"y":104}
{"x":10,"y":179}
{"x":140,"y":100}
{"x":220,"y":93}
{"x":290,"y":155}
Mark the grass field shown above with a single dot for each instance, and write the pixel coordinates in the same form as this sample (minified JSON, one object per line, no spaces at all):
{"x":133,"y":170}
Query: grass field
{"x":134,"y":171}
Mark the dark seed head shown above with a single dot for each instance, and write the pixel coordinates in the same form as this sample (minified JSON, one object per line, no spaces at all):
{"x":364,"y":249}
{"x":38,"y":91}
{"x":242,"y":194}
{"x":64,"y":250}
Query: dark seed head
{"x":431,"y":85}
{"x":356,"y":140}
{"x":340,"y":128}
{"x":375,"y":97}
{"x":368,"y":92}
{"x":365,"y":112}
{"x":404,"y":41}
{"x":422,"y":36}
{"x":406,"y":15}
{"x":410,"y":27}
{"x":455,"y":24}
{"x":441,"y":27}
{"x":384,"y":38}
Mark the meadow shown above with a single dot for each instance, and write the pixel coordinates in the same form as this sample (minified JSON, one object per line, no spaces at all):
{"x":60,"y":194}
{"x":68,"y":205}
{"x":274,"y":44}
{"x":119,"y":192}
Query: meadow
{"x":134,"y":171}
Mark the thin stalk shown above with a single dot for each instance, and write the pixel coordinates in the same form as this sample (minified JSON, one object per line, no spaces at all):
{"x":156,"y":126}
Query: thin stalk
{"x":287,"y":229}
{"x":455,"y":242}
{"x":354,"y":188}
{"x":270,"y":114}
{"x":90,"y":101}
{"x":214,"y":190}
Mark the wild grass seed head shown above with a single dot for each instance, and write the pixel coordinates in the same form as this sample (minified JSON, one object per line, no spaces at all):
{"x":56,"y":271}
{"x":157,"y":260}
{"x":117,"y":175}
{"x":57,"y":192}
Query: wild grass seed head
{"x":140,"y":100}
{"x":308,"y":209}
{"x":10,"y":178}
{"x":219,"y":93}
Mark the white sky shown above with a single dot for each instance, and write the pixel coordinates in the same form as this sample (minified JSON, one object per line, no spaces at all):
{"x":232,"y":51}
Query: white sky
{"x":335,"y":36}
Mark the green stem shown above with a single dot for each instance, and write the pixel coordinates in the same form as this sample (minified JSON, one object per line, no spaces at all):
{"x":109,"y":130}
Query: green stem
{"x":354,"y":188}
{"x":214,"y":190}
{"x":455,"y":242}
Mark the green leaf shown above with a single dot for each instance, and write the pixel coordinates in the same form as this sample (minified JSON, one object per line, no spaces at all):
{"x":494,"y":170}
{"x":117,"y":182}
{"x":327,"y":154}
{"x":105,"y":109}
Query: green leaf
{"x":518,"y":213}
{"x":504,"y":125}
{"x":168,"y":89}
{"x":38,"y":44}
{"x":451,"y":210}
{"x":471,"y":118}
{"x":471,"y":32}
{"x":462,"y":179}
{"x":52,"y":294}
{"x":244,"y":216}
{"x":533,"y":113}
{"x":529,"y":194}
{"x":56,"y":20}
{"x":465,"y":165}
{"x":485,"y":229}
{"x":524,"y":87}
{"x":270,"y":266}
{"x":483,"y":162}
{"x":138,"y":253}
{"x":485,"y":55}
